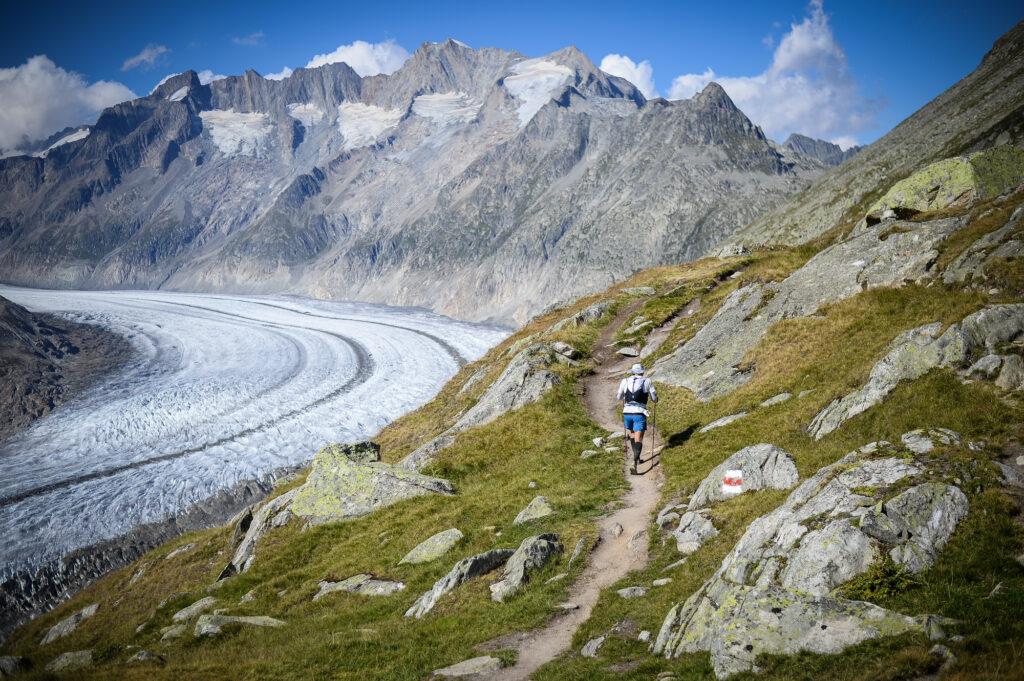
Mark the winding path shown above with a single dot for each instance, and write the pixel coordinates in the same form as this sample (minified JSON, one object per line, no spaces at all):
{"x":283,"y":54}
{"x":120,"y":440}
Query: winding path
{"x":616,"y":554}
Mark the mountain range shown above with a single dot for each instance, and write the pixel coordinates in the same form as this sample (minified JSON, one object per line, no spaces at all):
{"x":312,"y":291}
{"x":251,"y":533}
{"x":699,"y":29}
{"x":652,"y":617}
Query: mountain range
{"x":476,"y":182}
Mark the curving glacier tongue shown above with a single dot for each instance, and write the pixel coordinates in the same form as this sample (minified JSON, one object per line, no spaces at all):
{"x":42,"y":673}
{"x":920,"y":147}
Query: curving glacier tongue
{"x":221,"y":389}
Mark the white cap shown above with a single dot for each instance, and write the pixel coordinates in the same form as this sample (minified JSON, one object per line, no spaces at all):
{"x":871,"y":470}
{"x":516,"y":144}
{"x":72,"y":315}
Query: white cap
{"x":637,"y":369}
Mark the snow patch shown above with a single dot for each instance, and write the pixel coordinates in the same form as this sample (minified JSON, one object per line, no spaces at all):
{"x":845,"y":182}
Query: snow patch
{"x":179,"y":94}
{"x":237,"y":133}
{"x":533,"y":82}
{"x":361,"y":124}
{"x":449,"y":108}
{"x":307,"y":114}
{"x":73,"y":137}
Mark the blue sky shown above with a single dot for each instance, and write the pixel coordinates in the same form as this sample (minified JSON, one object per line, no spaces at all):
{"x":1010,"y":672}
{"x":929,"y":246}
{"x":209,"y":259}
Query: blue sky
{"x":852,"y":70}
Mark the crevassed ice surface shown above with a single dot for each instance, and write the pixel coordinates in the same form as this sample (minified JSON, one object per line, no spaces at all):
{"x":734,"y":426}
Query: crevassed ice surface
{"x":533,"y":82}
{"x":361,"y":124}
{"x":448,"y":108}
{"x":307,"y":114}
{"x":237,"y":133}
{"x":222,"y":389}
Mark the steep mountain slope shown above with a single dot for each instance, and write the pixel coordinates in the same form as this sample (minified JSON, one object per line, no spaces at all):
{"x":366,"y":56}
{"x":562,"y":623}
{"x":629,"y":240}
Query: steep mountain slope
{"x":467,"y":181}
{"x":828,"y":153}
{"x":982,"y":109}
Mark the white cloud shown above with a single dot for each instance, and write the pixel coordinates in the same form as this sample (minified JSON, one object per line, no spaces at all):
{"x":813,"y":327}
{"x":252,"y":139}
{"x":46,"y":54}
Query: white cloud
{"x":251,"y":40}
{"x":207,"y":76}
{"x":280,"y":75}
{"x":39,"y":98}
{"x":844,"y":141}
{"x":366,"y":59}
{"x":145,"y":59}
{"x":641,"y":75}
{"x":807,"y":88}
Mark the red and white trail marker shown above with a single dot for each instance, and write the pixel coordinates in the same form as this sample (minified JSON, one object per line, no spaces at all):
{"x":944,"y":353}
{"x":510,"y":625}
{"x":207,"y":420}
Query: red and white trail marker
{"x":732,"y":483}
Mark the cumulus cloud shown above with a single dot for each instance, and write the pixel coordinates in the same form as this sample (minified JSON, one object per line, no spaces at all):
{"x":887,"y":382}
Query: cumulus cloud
{"x":280,"y":75}
{"x":366,"y":59}
{"x":641,"y":75}
{"x":251,"y":40}
{"x":807,"y":88}
{"x":147,"y":58}
{"x":39,"y":98}
{"x":208,"y":76}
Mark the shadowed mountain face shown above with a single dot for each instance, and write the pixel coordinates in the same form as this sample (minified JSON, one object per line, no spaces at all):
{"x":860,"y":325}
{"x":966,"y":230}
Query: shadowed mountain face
{"x":478,"y":183}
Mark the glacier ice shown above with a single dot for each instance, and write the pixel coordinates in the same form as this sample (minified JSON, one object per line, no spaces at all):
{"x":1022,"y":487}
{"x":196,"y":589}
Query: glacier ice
{"x":533,"y":82}
{"x":362,"y":124}
{"x":307,"y":114}
{"x":448,"y":108}
{"x":221,"y":389}
{"x":237,"y":133}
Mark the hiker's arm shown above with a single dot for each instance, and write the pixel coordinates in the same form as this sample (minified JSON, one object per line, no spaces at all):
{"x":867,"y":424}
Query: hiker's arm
{"x":652,"y":392}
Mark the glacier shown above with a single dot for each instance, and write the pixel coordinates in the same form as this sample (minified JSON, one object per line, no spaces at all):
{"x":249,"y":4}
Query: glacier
{"x":220,"y":389}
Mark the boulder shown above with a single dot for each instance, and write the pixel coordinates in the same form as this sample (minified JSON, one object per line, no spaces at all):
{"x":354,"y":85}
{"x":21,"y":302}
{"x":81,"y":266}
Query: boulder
{"x":956,"y":181}
{"x":711,"y":363}
{"x":69,"y":623}
{"x":777,"y":399}
{"x":194,"y":610}
{"x":632,"y":592}
{"x":724,"y":421}
{"x":775,"y":591}
{"x":143,"y":656}
{"x":764,"y":466}
{"x":254,"y":526}
{"x":433,"y":547}
{"x":476,"y":666}
{"x":694,"y":529}
{"x":1011,"y":376}
{"x":922,"y":441}
{"x":525,"y":380}
{"x":584,"y":316}
{"x":591,"y":647}
{"x":365,"y":585}
{"x":986,"y":367}
{"x":173,"y":632}
{"x":536,"y":509}
{"x":70,"y":661}
{"x":639,"y":291}
{"x":348,"y":481}
{"x":628,"y":351}
{"x":463,"y":571}
{"x":970,"y":265}
{"x":565,"y":350}
{"x":180,"y":550}
{"x":662,"y":582}
{"x":916,"y":352}
{"x":532,"y":555}
{"x":12,"y":664}
{"x":212,"y":625}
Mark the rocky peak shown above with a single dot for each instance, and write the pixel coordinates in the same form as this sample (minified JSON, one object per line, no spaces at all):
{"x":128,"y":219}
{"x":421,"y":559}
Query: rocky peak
{"x":821,"y":150}
{"x":714,"y":95}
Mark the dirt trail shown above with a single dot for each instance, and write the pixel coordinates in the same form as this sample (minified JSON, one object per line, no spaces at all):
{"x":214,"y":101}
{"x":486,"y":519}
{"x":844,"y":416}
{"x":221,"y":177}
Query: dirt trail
{"x":615,"y":554}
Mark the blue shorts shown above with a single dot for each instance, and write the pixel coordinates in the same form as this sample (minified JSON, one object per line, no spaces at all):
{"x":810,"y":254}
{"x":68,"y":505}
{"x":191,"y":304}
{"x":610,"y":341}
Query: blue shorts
{"x":635,"y":422}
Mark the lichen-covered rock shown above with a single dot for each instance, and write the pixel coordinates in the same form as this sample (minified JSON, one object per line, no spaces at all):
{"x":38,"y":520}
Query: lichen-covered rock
{"x":764,"y":466}
{"x":631,"y":592}
{"x":476,"y":666}
{"x":348,"y":482}
{"x":463,"y":571}
{"x":13,"y":664}
{"x":172,"y":632}
{"x":69,"y":623}
{"x":1011,"y":376}
{"x":986,"y":367}
{"x":956,"y":181}
{"x":694,"y":529}
{"x":525,"y":380}
{"x":775,"y":591}
{"x":365,"y":585}
{"x":254,"y":526}
{"x":70,"y":661}
{"x":194,"y":610}
{"x":212,"y":625}
{"x":433,"y":547}
{"x":916,"y":352}
{"x":724,"y":421}
{"x":532,"y":555}
{"x":565,"y":350}
{"x":922,"y":441}
{"x":536,"y":509}
{"x":710,"y":363}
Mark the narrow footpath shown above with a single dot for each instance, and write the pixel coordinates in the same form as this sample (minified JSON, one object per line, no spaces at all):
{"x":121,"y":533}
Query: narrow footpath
{"x":617,"y":553}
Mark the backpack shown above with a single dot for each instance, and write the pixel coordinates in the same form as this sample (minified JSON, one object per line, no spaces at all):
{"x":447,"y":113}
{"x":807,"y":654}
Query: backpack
{"x":639,"y":395}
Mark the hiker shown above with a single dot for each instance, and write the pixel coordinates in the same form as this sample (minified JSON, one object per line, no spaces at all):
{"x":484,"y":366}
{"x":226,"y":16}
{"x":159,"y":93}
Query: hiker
{"x":635,"y":391}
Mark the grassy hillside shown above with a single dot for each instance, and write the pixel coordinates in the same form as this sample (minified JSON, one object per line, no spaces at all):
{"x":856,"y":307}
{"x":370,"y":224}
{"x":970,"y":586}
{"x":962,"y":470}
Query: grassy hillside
{"x":817,"y":358}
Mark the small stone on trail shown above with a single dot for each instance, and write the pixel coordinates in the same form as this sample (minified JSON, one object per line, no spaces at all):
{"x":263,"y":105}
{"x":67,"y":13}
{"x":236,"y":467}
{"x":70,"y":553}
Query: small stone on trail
{"x":616,"y":530}
{"x":617,"y":435}
{"x":628,"y":351}
{"x":632,"y":592}
{"x":569,"y":606}
{"x":472,"y":667}
{"x":592,"y":646}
